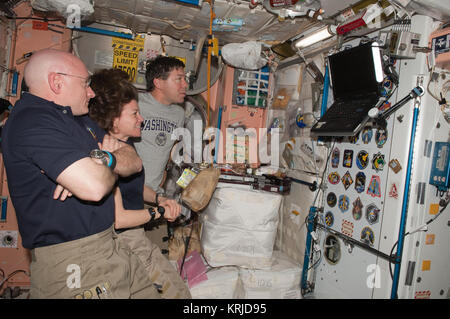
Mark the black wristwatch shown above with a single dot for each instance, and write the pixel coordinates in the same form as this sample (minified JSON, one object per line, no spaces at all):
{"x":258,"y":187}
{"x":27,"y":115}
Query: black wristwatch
{"x":107,"y":158}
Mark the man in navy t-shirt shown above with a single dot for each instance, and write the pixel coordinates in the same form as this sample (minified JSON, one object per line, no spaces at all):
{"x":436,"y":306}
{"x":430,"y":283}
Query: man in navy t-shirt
{"x":61,"y":190}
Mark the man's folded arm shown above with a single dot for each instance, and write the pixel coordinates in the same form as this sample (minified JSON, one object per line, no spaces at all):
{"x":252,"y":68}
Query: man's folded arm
{"x":87,"y":180}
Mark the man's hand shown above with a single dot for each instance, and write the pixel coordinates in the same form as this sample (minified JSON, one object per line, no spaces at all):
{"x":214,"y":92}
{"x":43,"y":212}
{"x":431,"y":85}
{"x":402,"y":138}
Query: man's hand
{"x":127,"y":160}
{"x":61,"y":193}
{"x":110,"y":144}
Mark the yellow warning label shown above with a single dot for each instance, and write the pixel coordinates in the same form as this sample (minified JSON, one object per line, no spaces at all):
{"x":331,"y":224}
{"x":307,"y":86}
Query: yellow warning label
{"x":426,"y":265}
{"x":126,"y":61}
{"x":136,"y":44}
{"x":434,"y":209}
{"x":429,"y":239}
{"x":126,"y":54}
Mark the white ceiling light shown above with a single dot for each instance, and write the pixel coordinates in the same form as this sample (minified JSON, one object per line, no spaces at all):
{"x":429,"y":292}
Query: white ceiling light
{"x":377,"y":62}
{"x":316,"y":36}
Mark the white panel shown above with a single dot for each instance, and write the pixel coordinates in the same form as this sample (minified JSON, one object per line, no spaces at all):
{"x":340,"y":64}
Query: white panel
{"x":435,"y":282}
{"x":349,"y":277}
{"x":331,"y":7}
{"x":351,"y":273}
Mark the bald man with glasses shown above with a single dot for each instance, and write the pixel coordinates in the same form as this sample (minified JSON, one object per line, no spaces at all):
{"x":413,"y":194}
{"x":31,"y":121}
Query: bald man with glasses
{"x":60,"y":187}
{"x":87,"y":80}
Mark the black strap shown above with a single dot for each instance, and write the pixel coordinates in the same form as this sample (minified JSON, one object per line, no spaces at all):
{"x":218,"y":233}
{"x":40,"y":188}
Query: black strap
{"x":152,"y":213}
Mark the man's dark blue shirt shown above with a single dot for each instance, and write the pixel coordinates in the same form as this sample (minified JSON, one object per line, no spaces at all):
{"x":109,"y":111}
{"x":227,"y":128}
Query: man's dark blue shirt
{"x":39,"y":141}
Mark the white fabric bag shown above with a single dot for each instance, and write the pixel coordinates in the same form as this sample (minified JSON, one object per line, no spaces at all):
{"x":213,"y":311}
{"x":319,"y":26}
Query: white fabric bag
{"x":282,"y":281}
{"x":245,"y":55}
{"x":222,"y":283}
{"x":239,"y":227}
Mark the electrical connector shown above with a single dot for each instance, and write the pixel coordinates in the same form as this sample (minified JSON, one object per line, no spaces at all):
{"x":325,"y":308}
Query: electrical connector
{"x":316,"y":248}
{"x":443,"y":101}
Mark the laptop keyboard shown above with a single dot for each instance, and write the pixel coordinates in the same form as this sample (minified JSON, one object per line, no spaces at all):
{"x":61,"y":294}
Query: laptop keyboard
{"x":341,"y":109}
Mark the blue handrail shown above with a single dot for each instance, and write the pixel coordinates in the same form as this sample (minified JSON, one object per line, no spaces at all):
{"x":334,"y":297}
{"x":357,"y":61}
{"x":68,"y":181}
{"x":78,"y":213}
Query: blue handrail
{"x":104,"y":32}
{"x":326,"y":86}
{"x":401,"y":234}
{"x":219,"y":124}
{"x":310,"y":223}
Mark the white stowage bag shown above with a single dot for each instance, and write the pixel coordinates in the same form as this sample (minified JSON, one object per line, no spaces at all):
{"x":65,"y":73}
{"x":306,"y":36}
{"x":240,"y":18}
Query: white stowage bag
{"x":222,"y":283}
{"x":239,"y":227}
{"x":282,"y":281}
{"x":246,"y":55}
{"x":68,"y":9}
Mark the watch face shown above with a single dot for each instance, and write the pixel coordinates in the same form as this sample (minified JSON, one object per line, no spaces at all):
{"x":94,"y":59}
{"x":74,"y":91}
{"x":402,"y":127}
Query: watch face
{"x":100,"y":155}
{"x":97,"y":153}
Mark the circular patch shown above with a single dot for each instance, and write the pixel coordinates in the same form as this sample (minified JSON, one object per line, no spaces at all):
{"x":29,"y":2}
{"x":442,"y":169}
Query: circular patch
{"x":366,"y":135}
{"x":381,"y":137}
{"x":378,"y":162}
{"x":335,"y":158}
{"x":344,"y":203}
{"x":161,"y":139}
{"x":331,"y":199}
{"x":362,"y":159}
{"x":357,"y":209}
{"x":360,"y":182}
{"x":347,"y":160}
{"x":329,"y":219}
{"x":334,"y":178}
{"x":367,"y":236}
{"x":372,"y":214}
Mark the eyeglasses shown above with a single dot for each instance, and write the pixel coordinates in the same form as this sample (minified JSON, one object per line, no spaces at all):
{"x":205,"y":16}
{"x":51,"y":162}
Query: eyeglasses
{"x":87,"y":80}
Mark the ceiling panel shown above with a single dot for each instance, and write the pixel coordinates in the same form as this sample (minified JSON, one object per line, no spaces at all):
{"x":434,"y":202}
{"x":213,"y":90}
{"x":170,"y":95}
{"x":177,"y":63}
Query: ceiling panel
{"x":186,"y":22}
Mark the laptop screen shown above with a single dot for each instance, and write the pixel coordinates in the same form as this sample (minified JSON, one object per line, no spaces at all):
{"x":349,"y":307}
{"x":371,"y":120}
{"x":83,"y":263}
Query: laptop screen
{"x":353,"y":72}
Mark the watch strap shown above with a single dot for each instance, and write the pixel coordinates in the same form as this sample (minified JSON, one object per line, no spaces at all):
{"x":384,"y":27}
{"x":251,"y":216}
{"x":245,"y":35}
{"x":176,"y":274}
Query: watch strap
{"x":152,"y":213}
{"x":112,"y":160}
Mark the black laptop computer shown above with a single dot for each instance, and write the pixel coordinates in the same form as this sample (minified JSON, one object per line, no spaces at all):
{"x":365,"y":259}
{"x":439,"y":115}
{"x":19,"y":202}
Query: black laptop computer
{"x":356,"y":75}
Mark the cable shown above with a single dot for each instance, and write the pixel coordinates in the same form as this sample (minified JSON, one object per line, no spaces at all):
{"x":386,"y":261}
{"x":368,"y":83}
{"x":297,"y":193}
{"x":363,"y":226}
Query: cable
{"x":443,"y":92}
{"x":11,"y":275}
{"x":421,"y":228}
{"x":315,"y":162}
{"x":323,"y":174}
{"x":208,"y":73}
{"x":400,"y":8}
{"x":4,"y":68}
{"x":314,"y":202}
{"x":173,"y":25}
{"x":31,"y":18}
{"x":316,"y":262}
{"x":318,"y":191}
{"x":186,"y":247}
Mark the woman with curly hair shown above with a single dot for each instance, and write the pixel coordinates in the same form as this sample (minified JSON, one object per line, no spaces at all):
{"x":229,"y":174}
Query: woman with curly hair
{"x":115,"y":110}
